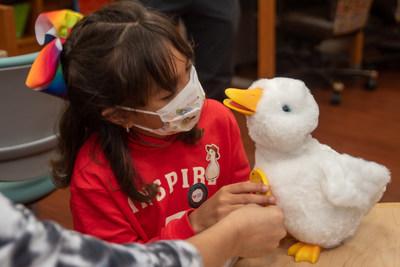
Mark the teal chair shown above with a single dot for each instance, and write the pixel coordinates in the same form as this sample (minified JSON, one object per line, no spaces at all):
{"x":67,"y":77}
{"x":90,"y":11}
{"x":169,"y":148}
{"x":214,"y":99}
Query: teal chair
{"x":28,"y":120}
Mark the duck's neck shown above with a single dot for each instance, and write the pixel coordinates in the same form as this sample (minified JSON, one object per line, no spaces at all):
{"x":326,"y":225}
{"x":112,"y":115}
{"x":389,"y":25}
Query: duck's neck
{"x":268,"y":153}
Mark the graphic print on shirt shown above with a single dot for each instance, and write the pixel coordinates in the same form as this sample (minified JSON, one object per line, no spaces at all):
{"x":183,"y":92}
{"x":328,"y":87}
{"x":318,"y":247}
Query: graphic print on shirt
{"x":176,"y":180}
{"x":212,"y":170}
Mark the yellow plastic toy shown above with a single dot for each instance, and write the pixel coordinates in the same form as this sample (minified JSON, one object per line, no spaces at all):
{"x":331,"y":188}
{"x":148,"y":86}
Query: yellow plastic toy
{"x":258,"y":176}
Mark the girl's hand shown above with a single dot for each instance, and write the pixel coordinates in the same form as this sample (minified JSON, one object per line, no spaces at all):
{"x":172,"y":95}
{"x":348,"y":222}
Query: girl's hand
{"x":227,"y":199}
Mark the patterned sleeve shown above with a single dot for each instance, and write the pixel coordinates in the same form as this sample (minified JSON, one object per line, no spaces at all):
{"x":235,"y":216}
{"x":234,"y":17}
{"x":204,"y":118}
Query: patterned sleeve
{"x":25,"y":241}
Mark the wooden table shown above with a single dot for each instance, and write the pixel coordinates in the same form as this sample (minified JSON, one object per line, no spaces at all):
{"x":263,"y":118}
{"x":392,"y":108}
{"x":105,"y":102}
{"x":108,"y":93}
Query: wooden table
{"x":376,"y":244}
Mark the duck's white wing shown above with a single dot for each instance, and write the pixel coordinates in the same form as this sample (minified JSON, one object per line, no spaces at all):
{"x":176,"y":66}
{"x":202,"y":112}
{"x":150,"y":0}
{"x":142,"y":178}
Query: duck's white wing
{"x":352,"y":182}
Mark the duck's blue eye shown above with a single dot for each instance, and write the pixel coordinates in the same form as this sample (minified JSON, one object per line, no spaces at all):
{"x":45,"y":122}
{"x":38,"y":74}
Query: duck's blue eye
{"x":286,"y":108}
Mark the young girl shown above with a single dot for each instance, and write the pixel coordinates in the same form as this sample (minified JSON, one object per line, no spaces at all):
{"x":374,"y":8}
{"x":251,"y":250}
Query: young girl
{"x":138,"y":134}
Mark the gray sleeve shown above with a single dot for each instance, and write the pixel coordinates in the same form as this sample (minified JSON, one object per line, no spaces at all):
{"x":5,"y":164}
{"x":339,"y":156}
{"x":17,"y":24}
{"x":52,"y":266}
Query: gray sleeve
{"x":25,"y":241}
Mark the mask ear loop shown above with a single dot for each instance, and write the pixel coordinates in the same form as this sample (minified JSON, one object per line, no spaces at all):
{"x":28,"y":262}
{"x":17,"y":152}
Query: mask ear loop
{"x":137,"y":110}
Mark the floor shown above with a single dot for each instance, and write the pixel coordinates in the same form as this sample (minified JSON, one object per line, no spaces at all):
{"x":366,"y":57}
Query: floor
{"x":367,"y":125}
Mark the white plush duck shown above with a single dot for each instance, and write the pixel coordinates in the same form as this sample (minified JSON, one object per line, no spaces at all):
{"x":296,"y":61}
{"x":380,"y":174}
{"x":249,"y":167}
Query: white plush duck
{"x":323,"y":194}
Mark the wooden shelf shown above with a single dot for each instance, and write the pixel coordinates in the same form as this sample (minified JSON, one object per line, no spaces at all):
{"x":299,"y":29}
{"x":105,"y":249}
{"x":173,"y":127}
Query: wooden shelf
{"x":27,"y":44}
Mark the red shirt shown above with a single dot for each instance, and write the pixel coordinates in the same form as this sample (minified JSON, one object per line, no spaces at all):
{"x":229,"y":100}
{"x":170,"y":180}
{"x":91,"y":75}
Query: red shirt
{"x":100,"y":208}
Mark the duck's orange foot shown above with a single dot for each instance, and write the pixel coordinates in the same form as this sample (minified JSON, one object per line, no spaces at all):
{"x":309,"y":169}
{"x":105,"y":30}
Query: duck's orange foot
{"x":304,"y":252}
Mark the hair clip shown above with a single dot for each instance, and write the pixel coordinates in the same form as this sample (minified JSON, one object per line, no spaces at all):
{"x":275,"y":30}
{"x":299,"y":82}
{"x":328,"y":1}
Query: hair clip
{"x":51,"y":29}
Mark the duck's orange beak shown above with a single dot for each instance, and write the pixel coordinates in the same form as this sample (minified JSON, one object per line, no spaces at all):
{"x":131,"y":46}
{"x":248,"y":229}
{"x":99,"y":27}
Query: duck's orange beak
{"x":243,"y":101}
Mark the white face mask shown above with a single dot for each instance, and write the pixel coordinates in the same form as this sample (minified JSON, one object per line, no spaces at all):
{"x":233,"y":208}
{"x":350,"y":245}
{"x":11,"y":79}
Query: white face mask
{"x":182,"y":113}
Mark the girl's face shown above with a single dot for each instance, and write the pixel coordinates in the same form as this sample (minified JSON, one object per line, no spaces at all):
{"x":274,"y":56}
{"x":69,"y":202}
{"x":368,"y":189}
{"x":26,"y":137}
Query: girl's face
{"x":156,"y":101}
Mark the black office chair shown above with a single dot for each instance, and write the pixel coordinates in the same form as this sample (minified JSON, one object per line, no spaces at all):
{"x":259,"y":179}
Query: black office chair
{"x":383,"y":34}
{"x":306,"y":28}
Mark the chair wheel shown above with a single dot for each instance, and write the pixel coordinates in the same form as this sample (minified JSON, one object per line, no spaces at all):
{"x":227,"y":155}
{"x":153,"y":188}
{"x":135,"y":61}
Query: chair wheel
{"x":338,"y":87}
{"x":336,"y":99}
{"x":371,"y":84}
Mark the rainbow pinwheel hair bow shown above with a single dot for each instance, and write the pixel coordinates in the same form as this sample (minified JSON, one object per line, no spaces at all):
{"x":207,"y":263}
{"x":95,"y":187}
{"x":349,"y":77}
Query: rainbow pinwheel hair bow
{"x":51,"y":28}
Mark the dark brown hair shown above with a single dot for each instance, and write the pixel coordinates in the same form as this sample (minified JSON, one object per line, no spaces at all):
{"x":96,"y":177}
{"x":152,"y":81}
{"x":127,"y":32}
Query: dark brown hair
{"x":115,"y":56}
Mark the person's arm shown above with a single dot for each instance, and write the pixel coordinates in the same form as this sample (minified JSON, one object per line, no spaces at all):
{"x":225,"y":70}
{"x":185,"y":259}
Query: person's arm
{"x":250,"y":231}
{"x":25,"y":241}
{"x":247,"y":232}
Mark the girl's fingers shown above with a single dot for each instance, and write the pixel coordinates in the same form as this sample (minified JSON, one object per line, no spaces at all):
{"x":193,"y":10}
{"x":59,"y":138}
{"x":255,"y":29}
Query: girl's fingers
{"x":271,"y":200}
{"x":260,"y":200}
{"x":249,"y":199}
{"x":247,"y":187}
